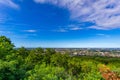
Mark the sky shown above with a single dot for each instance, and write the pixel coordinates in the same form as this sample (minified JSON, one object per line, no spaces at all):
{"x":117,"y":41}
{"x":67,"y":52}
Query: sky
{"x":61,"y":23}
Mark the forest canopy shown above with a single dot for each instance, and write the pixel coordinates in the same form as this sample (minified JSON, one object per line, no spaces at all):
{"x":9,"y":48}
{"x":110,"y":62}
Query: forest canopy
{"x":47,"y":64}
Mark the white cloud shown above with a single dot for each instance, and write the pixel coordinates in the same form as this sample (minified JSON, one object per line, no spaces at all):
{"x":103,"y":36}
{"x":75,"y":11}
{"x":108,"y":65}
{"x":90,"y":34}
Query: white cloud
{"x":104,"y":35}
{"x":97,"y":27}
{"x":74,"y":27}
{"x":68,"y":28}
{"x":105,"y":14}
{"x":39,"y":1}
{"x":60,"y":30}
{"x":9,"y":3}
{"x":31,"y":31}
{"x":3,"y":15}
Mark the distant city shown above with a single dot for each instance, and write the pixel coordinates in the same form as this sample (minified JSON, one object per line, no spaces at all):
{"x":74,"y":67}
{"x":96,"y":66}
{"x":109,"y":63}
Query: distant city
{"x":105,"y":52}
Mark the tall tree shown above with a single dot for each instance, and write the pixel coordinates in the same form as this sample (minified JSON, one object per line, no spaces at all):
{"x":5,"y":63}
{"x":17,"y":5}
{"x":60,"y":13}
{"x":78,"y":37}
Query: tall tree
{"x":6,"y":46}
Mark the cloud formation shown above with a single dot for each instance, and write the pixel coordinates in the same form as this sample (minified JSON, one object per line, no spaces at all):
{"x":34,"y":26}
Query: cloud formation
{"x":9,"y":3}
{"x":60,"y":30}
{"x":104,"y":35}
{"x":104,"y":14}
{"x":74,"y":27}
{"x":31,"y":31}
{"x":68,"y":28}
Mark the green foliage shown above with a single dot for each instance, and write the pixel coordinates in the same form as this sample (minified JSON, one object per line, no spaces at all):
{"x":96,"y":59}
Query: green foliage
{"x":8,"y":70}
{"x":5,"y":43}
{"x":22,"y":52}
{"x":43,"y":72}
{"x":92,"y":76}
{"x":47,"y":64}
{"x":59,"y":59}
{"x":5,"y":46}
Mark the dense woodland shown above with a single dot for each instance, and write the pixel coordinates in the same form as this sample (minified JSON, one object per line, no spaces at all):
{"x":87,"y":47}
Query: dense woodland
{"x":47,"y":64}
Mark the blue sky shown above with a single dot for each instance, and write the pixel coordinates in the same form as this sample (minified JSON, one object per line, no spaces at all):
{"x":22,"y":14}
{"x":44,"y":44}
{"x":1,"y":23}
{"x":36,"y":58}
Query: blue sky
{"x":61,"y":23}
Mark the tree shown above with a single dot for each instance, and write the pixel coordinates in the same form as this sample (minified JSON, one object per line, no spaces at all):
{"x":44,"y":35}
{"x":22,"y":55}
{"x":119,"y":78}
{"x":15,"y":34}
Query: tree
{"x":6,"y":46}
{"x":59,"y":59}
{"x":43,"y":72}
{"x":48,"y":54}
{"x":23,"y":52}
{"x":35,"y":56}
